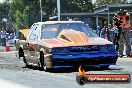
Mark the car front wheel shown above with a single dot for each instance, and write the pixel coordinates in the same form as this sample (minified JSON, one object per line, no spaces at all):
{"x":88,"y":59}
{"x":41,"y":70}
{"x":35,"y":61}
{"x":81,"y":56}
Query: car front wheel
{"x":42,"y":61}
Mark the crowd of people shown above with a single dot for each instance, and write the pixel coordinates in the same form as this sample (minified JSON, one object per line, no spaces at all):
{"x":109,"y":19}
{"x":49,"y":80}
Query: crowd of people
{"x":111,"y":33}
{"x":5,"y":34}
{"x":107,"y":32}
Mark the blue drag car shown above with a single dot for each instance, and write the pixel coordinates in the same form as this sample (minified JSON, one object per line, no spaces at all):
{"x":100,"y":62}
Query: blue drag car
{"x":56,"y":44}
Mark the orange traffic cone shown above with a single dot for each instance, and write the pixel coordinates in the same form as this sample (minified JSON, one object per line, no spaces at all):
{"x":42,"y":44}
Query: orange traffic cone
{"x":7,"y":45}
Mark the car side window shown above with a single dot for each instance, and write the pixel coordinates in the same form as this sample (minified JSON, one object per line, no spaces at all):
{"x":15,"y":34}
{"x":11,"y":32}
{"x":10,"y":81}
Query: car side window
{"x":33,"y":33}
{"x":30,"y":31}
{"x":42,"y":30}
{"x":38,"y":32}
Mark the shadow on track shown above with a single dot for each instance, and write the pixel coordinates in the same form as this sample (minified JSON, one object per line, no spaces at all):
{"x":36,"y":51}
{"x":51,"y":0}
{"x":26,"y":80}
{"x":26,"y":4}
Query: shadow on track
{"x":33,"y":67}
{"x":74,"y":69}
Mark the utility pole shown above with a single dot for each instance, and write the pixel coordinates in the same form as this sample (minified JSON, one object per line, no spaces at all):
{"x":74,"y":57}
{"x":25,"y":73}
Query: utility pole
{"x":108,"y":15}
{"x":58,"y":9}
{"x":41,"y":9}
{"x":97,"y":23}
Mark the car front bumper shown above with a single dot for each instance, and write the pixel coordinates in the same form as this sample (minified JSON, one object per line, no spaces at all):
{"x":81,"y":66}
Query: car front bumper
{"x":74,"y":59}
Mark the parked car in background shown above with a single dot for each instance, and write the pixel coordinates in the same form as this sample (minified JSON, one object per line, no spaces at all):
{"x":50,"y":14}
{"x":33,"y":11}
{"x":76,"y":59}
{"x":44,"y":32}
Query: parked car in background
{"x":56,"y":44}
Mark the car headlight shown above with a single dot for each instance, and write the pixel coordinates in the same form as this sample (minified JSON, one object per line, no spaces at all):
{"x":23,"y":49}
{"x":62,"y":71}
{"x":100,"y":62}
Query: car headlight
{"x":107,"y":48}
{"x":50,"y":50}
{"x":60,"y":50}
{"x":111,"y":47}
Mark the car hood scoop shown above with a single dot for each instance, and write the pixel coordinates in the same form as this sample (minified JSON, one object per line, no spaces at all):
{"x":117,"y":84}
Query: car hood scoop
{"x":73,"y":36}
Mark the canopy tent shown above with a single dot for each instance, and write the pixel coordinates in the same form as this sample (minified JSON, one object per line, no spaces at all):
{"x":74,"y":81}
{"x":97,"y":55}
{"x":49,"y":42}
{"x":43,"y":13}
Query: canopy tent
{"x":24,"y":32}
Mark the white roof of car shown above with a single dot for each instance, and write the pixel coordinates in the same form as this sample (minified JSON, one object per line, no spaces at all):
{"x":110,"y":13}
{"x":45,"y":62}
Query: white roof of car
{"x":56,"y":22}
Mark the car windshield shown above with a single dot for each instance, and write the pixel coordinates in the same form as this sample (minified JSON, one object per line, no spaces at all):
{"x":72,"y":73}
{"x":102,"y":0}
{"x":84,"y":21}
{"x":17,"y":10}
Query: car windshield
{"x":52,"y":30}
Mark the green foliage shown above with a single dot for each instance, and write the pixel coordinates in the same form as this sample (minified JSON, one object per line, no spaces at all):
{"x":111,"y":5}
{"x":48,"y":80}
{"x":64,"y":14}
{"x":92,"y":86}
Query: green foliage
{"x":4,"y":10}
{"x":18,"y":19}
{"x":19,"y":14}
{"x":25,"y":16}
{"x":23,"y":13}
{"x":76,"y":5}
{"x":104,"y":2}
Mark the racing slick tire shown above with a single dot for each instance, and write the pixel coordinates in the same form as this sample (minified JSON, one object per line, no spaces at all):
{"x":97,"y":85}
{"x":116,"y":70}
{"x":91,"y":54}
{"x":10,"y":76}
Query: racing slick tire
{"x":20,"y":52}
{"x":43,"y":62}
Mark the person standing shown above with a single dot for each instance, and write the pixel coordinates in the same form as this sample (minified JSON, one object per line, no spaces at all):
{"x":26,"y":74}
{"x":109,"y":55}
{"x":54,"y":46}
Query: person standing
{"x":111,"y":33}
{"x":3,"y":37}
{"x":124,"y":33}
{"x":105,"y":32}
{"x":115,"y":40}
{"x":99,"y":30}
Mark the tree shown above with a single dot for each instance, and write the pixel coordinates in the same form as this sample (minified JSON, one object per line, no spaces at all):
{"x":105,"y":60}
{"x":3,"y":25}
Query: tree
{"x":18,"y":20}
{"x":27,"y":12}
{"x":104,"y":2}
{"x":76,"y":6}
{"x":16,"y":12}
{"x":25,"y":17}
{"x":4,"y":10}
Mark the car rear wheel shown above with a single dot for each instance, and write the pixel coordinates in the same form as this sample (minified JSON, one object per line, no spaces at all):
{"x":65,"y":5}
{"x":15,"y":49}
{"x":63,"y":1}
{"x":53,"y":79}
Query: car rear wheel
{"x":21,"y":54}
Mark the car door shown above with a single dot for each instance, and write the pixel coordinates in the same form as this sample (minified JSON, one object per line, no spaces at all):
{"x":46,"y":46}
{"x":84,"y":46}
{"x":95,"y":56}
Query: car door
{"x":32,"y":43}
{"x":26,"y":52}
{"x":35,"y":52}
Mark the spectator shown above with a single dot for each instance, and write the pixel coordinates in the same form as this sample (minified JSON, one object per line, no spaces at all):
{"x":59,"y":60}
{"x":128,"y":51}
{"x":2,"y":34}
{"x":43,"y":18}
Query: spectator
{"x":99,"y":31}
{"x":3,"y":37}
{"x":112,"y":33}
{"x":122,"y":21}
{"x":105,"y":32}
